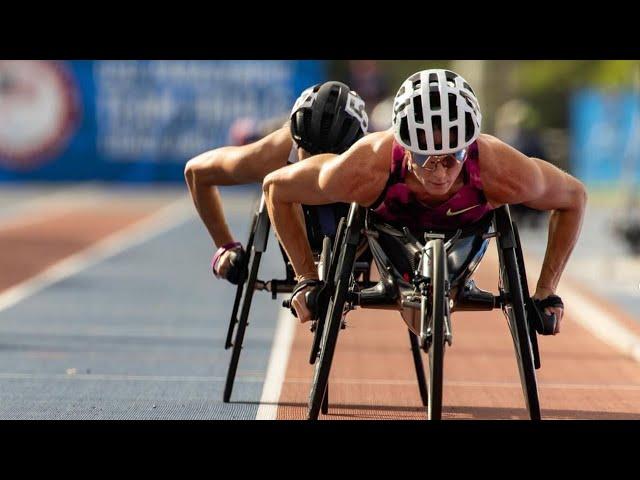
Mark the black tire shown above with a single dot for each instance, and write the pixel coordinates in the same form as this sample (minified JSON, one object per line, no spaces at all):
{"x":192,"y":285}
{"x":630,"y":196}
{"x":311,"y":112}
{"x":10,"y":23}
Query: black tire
{"x":344,"y":270}
{"x":242,"y":324}
{"x":527,"y":299}
{"x":325,"y":401}
{"x":326,"y":259}
{"x":240,"y":288}
{"x":417,"y":362}
{"x":436,"y":349}
{"x":514,"y":309}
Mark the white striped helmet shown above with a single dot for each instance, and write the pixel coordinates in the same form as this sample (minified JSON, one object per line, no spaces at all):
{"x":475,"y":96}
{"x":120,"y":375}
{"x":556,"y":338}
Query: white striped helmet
{"x":431,"y":100}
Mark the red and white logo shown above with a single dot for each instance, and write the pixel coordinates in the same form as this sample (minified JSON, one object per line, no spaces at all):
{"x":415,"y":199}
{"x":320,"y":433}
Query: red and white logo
{"x":39,"y":111}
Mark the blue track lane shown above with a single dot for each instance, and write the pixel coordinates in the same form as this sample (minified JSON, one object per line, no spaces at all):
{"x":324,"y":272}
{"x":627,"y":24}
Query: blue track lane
{"x":139,"y":335}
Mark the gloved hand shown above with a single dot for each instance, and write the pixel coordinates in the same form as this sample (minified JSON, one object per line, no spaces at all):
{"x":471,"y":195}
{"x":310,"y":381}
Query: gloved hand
{"x":547,"y":314}
{"x":229,"y":263}
{"x":304,"y":299}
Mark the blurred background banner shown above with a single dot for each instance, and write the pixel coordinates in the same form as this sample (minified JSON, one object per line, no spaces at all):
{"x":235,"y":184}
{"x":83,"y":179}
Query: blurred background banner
{"x":142,"y":120}
{"x":135,"y":121}
{"x":605,"y":132}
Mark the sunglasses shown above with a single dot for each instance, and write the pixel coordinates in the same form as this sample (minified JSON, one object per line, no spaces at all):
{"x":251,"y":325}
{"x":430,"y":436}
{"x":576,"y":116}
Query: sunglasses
{"x":430,"y":162}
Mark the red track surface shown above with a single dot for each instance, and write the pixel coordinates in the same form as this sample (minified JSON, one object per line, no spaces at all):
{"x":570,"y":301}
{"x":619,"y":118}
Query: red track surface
{"x":29,"y":247}
{"x":373,"y":375}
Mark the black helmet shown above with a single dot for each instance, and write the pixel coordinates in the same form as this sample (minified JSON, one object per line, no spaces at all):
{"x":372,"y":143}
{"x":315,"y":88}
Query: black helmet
{"x":328,"y":118}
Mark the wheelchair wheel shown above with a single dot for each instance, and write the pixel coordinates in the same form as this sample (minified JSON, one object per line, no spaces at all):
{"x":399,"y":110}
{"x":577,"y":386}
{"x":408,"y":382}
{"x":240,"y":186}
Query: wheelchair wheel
{"x":527,"y":299}
{"x":329,"y":261}
{"x":335,"y":310}
{"x":240,"y":288}
{"x":242,"y":324}
{"x":514,"y":309}
{"x":436,"y":323}
{"x":417,"y":361}
{"x":249,"y":289}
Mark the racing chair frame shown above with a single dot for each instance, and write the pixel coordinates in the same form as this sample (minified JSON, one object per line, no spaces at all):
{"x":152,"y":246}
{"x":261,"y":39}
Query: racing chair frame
{"x":248,"y":284}
{"x":440,"y":286}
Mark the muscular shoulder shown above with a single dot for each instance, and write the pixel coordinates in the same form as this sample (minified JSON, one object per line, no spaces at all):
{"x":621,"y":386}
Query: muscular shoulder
{"x":490,"y":149}
{"x":507,"y":175}
{"x":360,"y":173}
{"x":373,"y":150}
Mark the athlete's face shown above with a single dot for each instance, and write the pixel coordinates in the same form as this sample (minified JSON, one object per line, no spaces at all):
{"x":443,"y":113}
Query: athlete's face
{"x":437,"y":174}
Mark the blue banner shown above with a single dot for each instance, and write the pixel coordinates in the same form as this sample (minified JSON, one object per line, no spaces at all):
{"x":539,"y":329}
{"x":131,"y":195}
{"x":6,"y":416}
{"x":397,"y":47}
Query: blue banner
{"x":605,"y":136}
{"x":133,"y":121}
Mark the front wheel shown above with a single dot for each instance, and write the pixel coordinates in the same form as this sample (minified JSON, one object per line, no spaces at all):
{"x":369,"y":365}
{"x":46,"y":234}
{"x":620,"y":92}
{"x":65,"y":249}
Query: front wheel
{"x":435,"y":331}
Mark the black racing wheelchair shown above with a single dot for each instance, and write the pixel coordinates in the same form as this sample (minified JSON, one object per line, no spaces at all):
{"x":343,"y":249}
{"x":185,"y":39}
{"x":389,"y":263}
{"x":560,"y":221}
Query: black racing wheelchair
{"x":426,"y":280}
{"x":322,"y":225}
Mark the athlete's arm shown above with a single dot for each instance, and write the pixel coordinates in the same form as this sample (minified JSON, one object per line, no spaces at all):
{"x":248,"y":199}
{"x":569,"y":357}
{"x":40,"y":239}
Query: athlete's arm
{"x":232,"y":166}
{"x":358,"y":175}
{"x":510,"y":177}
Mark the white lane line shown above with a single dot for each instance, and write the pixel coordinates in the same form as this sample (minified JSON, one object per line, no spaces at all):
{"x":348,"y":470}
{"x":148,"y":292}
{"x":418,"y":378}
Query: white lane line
{"x":277,"y":367}
{"x":593,"y":318}
{"x":165,"y":219}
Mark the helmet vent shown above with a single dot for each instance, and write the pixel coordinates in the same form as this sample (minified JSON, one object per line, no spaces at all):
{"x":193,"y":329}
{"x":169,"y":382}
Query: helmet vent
{"x":466,"y":98}
{"x":453,"y":137}
{"x":417,"y":109}
{"x":469,"y":127}
{"x":434,"y":100}
{"x":436,"y":125}
{"x":404,"y":131}
{"x":422,"y":139}
{"x":453,"y":108}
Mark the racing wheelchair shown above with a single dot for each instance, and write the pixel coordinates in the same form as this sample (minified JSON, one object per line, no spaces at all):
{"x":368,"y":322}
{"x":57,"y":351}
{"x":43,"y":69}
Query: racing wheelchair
{"x":427,"y":281}
{"x":321,"y":225}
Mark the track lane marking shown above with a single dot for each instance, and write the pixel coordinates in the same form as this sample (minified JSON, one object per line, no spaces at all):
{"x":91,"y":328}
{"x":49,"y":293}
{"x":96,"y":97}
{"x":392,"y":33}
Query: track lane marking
{"x":165,"y":219}
{"x":277,"y":367}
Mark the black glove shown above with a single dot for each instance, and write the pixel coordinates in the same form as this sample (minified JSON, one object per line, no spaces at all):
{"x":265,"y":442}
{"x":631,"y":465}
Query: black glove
{"x":238,"y":270}
{"x":311,"y":297}
{"x":543,"y":323}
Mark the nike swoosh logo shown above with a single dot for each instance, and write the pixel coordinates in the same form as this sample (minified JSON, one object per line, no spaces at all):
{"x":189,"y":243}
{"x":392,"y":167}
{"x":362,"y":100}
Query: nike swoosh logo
{"x":451,"y":214}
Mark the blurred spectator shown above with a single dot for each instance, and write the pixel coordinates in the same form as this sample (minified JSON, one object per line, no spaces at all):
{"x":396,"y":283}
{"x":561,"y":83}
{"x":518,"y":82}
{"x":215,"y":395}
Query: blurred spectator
{"x":247,"y":130}
{"x":517,"y":124}
{"x":243,"y":131}
{"x":366,"y":78}
{"x":628,"y":229}
{"x":627,"y":225}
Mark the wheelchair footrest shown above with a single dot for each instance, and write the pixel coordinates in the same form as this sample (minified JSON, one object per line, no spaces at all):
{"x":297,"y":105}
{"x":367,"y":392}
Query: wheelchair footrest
{"x":471,"y":298}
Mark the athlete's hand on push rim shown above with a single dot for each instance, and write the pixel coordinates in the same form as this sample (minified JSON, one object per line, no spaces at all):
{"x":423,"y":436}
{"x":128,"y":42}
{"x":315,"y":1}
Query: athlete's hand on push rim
{"x":543,"y":293}
{"x":224,"y":262}
{"x":299,"y":302}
